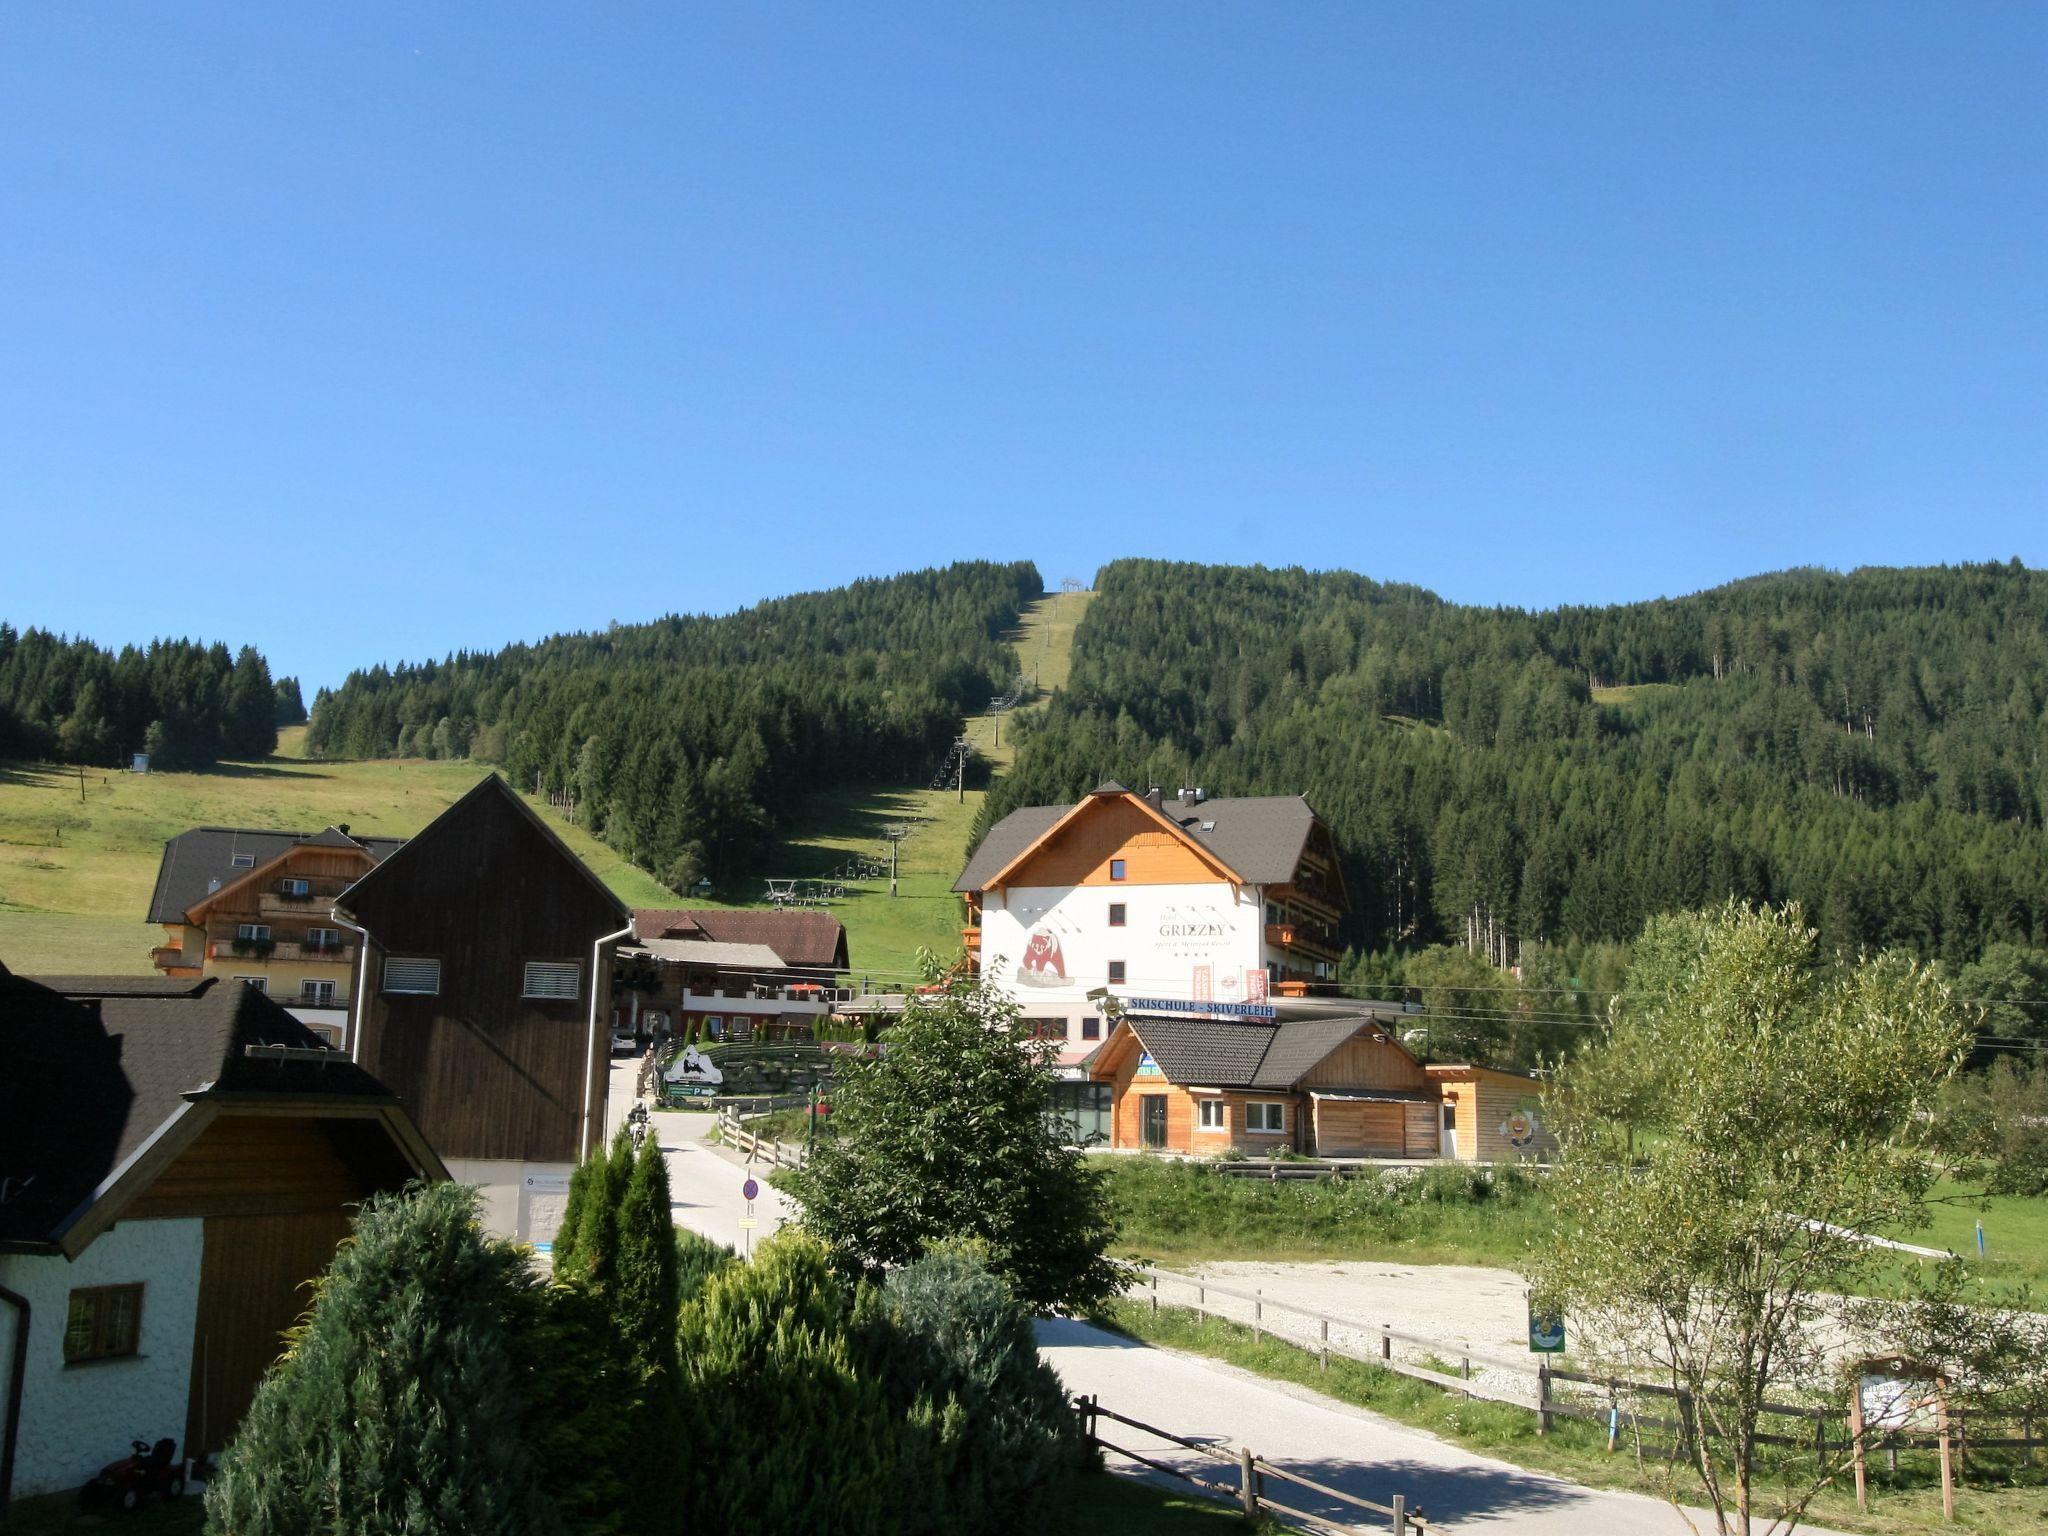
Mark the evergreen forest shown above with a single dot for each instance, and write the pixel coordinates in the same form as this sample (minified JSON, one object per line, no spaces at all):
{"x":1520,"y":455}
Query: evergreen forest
{"x":188,"y":704}
{"x":1870,"y":745}
{"x":683,"y":743}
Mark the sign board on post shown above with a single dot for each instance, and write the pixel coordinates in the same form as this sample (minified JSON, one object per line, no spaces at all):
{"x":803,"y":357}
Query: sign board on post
{"x":1546,"y":1330}
{"x":750,"y":1191}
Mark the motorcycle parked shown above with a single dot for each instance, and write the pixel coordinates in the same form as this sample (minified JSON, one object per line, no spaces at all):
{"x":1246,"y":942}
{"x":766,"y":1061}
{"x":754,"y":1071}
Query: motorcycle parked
{"x":152,"y":1469}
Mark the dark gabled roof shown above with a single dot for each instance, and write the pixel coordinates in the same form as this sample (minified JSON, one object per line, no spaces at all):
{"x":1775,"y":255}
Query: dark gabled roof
{"x":1202,"y":1053}
{"x":801,"y":940}
{"x":201,"y":860}
{"x":1259,"y":836}
{"x":96,"y":1067}
{"x":1210,"y":1053}
{"x":491,"y":784}
{"x":1005,"y":840}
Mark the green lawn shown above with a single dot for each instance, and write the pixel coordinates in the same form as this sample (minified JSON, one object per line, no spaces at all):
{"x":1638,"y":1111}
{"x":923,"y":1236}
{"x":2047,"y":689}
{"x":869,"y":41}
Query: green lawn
{"x":1108,"y":1504}
{"x":1632,"y":693}
{"x":2004,"y":1495}
{"x":1183,"y":1213}
{"x":76,"y":875}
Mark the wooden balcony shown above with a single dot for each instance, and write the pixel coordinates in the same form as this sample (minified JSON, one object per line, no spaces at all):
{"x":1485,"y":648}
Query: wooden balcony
{"x":282,"y":949}
{"x":971,"y":938}
{"x":1316,"y":941}
{"x":274,"y":903}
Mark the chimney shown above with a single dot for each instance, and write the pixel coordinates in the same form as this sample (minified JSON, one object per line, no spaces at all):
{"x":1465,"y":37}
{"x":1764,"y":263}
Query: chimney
{"x":1201,"y":794}
{"x":1153,"y":797}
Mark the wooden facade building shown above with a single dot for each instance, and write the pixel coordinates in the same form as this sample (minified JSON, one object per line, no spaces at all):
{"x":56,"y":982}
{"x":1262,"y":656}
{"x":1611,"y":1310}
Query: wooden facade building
{"x":484,"y":998}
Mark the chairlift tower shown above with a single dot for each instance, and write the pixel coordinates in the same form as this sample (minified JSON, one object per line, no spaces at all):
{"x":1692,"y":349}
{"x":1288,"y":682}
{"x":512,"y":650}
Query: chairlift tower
{"x":895,"y":832}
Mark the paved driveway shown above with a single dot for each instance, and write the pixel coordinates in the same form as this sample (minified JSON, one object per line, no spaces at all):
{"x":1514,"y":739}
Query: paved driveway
{"x":704,"y":1181}
{"x":1334,"y":1443}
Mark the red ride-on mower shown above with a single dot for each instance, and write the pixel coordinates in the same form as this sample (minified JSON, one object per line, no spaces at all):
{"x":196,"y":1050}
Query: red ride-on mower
{"x":153,"y":1469}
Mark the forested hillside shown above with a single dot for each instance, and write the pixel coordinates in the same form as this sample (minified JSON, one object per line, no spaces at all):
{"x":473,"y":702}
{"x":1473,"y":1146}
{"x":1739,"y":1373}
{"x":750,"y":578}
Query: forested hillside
{"x":1871,"y":745}
{"x":686,"y":742}
{"x":186,"y":703}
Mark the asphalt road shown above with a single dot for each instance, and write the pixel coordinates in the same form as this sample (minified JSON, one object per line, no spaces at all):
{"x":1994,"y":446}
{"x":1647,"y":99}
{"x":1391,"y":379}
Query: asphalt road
{"x":705,"y":1182}
{"x":1334,"y":1443}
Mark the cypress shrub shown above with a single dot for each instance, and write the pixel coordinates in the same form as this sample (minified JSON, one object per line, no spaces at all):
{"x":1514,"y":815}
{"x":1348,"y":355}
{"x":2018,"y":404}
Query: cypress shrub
{"x":769,"y":1345}
{"x":697,"y":1260}
{"x":956,"y":1337}
{"x":403,"y":1404}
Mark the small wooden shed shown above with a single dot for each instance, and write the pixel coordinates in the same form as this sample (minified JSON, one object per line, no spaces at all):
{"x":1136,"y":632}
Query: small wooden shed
{"x":1489,"y":1115}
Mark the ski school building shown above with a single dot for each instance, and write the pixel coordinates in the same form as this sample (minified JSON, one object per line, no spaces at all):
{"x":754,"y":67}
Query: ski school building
{"x":1170,"y":946}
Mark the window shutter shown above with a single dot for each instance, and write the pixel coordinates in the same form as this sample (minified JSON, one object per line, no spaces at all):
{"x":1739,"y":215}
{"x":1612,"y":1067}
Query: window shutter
{"x":553,"y":979}
{"x":418,"y":976}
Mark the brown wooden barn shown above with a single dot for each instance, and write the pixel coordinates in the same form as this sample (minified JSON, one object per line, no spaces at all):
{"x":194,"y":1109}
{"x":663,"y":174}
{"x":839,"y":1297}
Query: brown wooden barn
{"x":485,"y":999}
{"x":1330,"y":1081}
{"x":178,"y":1157}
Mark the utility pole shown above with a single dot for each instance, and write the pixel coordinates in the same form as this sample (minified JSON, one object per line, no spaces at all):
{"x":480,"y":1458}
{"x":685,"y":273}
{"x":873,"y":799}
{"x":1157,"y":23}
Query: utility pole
{"x":961,"y":783}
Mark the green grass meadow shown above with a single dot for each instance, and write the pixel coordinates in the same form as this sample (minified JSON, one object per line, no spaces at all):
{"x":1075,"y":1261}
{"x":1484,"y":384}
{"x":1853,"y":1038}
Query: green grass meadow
{"x":77,"y":869}
{"x":1185,"y":1213}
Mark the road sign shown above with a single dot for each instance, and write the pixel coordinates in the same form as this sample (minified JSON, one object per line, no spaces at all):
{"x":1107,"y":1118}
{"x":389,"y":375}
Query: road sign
{"x":750,"y":1190}
{"x":1546,"y":1331}
{"x":748,"y":1223}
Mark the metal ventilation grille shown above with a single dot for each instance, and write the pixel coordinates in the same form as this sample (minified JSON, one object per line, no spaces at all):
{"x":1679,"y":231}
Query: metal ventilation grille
{"x":418,"y":976}
{"x":552,"y":978}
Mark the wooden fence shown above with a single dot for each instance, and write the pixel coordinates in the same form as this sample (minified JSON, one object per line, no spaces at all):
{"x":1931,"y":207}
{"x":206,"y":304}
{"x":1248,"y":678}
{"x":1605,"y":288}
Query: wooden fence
{"x":1616,"y":1403}
{"x":758,"y":1148}
{"x":1247,"y":1489}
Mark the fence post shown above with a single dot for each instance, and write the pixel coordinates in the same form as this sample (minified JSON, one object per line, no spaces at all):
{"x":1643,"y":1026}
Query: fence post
{"x":1386,"y":1342}
{"x":1258,"y":1310}
{"x":1543,"y":1398}
{"x":1247,"y":1493}
{"x":1155,"y":1293}
{"x":1400,"y":1516}
{"x":1820,"y":1438}
{"x":1324,"y":1352}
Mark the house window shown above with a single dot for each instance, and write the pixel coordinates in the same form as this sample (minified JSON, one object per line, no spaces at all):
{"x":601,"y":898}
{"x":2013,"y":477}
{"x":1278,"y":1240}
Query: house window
{"x":1043,"y":1029}
{"x":554,"y":979}
{"x":242,"y":860}
{"x":1215,"y":1115}
{"x":1116,"y":869}
{"x":1116,"y":973}
{"x":1116,"y":914}
{"x":104,"y":1323}
{"x":260,"y":983}
{"x":419,"y":977}
{"x":1091,"y":1027}
{"x":295,"y":887}
{"x":714,"y":1027}
{"x":1267,"y":1117}
{"x":256,"y":932}
{"x":319,"y":994}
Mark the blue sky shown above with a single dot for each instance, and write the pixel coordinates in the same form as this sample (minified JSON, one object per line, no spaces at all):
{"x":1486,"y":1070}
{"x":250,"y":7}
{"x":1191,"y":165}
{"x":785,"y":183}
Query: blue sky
{"x":365,"y":333}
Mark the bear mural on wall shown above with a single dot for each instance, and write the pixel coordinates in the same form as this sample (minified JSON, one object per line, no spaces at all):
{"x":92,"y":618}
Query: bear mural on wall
{"x":1043,"y":964}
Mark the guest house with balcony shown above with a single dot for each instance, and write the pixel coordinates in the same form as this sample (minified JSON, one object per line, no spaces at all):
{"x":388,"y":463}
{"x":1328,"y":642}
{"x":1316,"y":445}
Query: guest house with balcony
{"x":255,"y":906}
